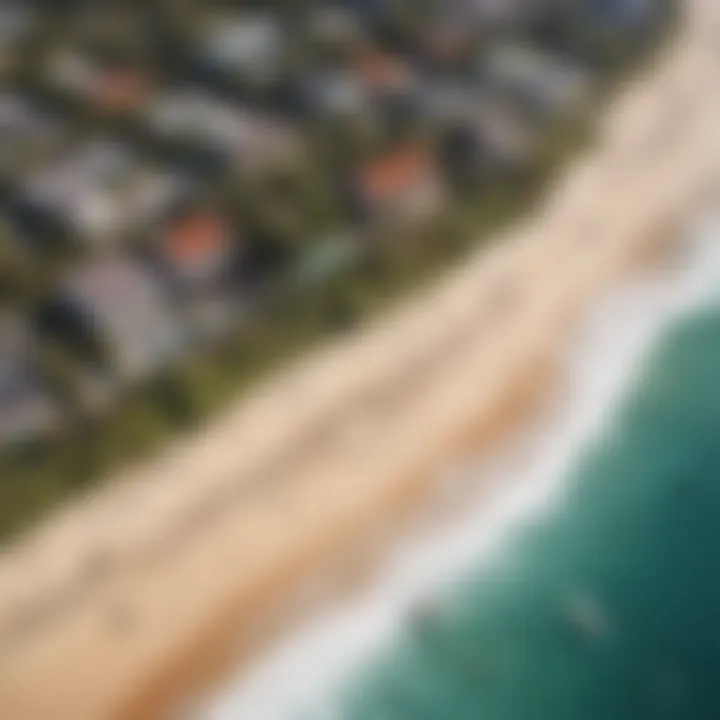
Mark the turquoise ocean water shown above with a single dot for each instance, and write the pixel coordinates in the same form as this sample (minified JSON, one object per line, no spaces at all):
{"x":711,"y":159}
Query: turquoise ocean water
{"x":611,"y":608}
{"x":584,"y":582}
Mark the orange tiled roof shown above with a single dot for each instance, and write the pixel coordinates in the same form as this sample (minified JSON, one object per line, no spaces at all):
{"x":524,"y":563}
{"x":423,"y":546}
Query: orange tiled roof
{"x":393,"y":174}
{"x":195,"y":238}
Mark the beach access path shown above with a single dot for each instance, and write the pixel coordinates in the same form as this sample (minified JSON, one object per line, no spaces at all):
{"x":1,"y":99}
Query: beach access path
{"x":110,"y":607}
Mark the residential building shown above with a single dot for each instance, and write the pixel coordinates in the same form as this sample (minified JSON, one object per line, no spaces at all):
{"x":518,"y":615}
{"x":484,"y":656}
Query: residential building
{"x":197,"y":247}
{"x":403,"y":186}
{"x":227,"y":134}
{"x":95,"y":195}
{"x":480,"y":136}
{"x":198,"y":253}
{"x":115,"y":314}
{"x":543,"y":85}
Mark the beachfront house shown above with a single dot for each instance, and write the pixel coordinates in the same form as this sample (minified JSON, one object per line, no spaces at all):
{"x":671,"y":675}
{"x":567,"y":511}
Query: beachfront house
{"x":540,"y":84}
{"x":94,"y":195}
{"x":402,"y":187}
{"x":27,"y":410}
{"x":480,"y":138}
{"x":114,"y":314}
{"x":217,"y":133}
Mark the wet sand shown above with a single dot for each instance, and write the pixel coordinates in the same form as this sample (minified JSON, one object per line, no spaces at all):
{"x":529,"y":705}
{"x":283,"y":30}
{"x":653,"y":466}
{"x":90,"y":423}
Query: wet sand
{"x":146,"y":589}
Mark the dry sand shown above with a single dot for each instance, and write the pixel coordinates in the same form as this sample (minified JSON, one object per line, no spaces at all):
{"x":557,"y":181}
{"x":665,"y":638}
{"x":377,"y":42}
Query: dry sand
{"x":115,"y":605}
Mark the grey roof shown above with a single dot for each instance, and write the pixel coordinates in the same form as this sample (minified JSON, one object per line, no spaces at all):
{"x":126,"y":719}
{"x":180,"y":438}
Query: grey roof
{"x":129,"y":310}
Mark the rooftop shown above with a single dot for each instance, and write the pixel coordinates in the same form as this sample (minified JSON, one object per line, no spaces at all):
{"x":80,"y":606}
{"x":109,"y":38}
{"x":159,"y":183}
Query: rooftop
{"x":393,"y":174}
{"x":197,"y":244}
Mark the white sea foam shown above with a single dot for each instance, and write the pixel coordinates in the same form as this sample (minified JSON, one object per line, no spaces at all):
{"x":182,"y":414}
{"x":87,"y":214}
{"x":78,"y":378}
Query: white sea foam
{"x":520,"y":485}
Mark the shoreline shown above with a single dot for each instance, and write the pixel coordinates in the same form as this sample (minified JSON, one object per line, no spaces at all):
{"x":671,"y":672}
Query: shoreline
{"x":396,"y":515}
{"x":522,"y":482}
{"x":185,"y":602}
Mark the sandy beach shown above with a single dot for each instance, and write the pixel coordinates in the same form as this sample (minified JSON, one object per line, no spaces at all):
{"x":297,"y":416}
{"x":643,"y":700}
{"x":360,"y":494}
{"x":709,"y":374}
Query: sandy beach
{"x":117,"y":604}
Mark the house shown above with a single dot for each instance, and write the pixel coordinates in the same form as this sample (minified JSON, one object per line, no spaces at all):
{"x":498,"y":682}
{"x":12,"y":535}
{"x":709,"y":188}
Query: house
{"x":392,"y":87}
{"x":404,"y":186}
{"x":541,"y":84}
{"x":197,"y":248}
{"x":113,"y":312}
{"x":198,"y":253}
{"x":226,"y":134}
{"x":480,"y":137}
{"x":95,"y":194}
{"x":27,"y":410}
{"x":248,"y":47}
{"x":103,"y":85}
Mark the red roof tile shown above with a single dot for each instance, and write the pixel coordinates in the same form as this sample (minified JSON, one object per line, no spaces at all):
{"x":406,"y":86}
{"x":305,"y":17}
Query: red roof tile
{"x":394,"y":174}
{"x":197,"y":238}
